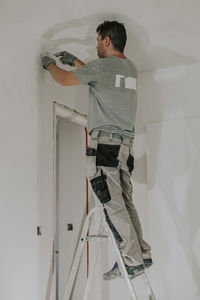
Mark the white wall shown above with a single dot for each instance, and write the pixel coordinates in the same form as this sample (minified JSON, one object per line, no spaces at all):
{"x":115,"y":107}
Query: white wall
{"x":26,"y":116}
{"x":21,"y":95}
{"x":166,"y":95}
{"x":163,"y":94}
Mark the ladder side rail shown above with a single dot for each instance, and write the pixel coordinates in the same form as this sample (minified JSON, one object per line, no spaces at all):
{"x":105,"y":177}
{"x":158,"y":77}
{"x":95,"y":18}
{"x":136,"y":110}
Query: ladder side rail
{"x":91,"y":273}
{"x":99,"y":240}
{"x":78,"y":255}
{"x":151,"y":293}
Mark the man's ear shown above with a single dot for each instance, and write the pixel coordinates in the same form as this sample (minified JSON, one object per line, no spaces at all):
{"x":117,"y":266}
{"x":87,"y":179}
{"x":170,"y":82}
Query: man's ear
{"x":107,"y":41}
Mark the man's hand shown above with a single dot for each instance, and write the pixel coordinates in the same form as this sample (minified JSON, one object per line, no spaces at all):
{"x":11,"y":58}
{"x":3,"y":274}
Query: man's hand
{"x":66,"y":58}
{"x":46,"y":60}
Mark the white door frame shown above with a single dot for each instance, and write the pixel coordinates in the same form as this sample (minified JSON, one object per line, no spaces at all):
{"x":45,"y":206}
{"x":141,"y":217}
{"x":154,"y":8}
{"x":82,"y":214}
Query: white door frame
{"x":77,"y":117}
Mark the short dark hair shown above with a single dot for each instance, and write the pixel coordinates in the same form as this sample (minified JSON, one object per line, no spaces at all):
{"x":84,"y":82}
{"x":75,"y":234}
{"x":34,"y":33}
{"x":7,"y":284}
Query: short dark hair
{"x":116,"y":32}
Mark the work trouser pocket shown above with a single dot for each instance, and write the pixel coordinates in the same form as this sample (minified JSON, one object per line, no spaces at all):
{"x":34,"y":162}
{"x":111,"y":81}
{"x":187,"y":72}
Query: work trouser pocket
{"x":91,"y":154}
{"x":100,"y":187}
{"x":130,"y":160}
{"x":107,"y":155}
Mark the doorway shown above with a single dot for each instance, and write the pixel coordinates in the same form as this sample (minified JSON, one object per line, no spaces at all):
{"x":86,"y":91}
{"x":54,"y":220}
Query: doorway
{"x":70,"y":195}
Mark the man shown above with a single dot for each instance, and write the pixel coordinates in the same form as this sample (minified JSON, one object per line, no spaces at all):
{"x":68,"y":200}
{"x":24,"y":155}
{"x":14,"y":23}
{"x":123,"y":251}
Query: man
{"x":112,"y":82}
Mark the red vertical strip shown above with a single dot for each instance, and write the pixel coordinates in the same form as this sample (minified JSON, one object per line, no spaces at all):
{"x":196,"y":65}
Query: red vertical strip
{"x":87,"y":204}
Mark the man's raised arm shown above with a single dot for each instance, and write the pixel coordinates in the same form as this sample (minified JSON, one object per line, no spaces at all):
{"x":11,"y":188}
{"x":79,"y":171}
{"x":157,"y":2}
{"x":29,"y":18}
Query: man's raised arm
{"x":69,"y":59}
{"x":61,"y":76}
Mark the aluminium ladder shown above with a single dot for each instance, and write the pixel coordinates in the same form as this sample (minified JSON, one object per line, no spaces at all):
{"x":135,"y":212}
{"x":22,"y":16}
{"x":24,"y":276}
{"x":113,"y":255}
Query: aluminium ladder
{"x":84,"y":237}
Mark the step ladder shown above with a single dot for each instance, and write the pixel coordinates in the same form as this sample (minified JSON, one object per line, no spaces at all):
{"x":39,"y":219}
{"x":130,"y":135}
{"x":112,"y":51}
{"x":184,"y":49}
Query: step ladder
{"x":84,"y":237}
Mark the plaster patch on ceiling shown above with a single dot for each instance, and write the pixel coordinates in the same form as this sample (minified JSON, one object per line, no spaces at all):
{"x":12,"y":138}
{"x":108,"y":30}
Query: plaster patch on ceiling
{"x":139,"y":45}
{"x":161,"y":34}
{"x":79,"y":32}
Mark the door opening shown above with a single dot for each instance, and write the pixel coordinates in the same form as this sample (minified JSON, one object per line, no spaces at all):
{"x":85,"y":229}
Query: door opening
{"x":70,"y":194}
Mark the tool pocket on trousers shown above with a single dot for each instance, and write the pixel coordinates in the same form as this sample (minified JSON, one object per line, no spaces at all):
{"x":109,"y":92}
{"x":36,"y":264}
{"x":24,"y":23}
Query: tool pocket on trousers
{"x":91,"y":168}
{"x":130,"y":163}
{"x":100,"y":187}
{"x":107,"y":155}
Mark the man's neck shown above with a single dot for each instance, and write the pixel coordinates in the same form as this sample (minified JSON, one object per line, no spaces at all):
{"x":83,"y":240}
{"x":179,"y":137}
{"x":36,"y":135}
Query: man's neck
{"x":118,"y":54}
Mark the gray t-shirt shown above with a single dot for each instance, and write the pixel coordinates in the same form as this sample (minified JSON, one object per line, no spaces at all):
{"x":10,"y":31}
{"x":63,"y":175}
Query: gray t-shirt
{"x":112,"y":94}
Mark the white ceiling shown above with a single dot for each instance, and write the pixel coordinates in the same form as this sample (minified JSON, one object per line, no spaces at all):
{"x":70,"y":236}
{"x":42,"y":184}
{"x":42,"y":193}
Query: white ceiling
{"x":160,"y":33}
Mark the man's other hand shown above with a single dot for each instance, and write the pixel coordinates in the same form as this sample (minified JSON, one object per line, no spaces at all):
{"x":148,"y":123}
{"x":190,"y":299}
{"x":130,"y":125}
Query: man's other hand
{"x":66,"y":58}
{"x":46,"y":60}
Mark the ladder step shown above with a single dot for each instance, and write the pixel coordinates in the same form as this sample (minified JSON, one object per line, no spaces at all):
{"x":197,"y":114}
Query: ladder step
{"x":96,"y":237}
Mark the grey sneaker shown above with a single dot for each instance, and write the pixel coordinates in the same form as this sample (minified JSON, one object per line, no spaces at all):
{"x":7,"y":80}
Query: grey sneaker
{"x":113,"y":273}
{"x":133,"y":271}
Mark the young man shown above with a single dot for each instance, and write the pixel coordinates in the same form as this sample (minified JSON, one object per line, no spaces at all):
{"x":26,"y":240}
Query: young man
{"x":112,"y":82}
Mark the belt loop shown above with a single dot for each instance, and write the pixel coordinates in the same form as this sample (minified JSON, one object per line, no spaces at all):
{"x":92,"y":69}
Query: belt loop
{"x":110,"y":136}
{"x":95,"y":134}
{"x":93,"y":143}
{"x":126,"y":141}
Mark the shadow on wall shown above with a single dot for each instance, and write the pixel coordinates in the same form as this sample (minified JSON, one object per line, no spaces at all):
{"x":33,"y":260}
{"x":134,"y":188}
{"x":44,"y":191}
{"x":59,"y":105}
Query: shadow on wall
{"x":176,"y":181}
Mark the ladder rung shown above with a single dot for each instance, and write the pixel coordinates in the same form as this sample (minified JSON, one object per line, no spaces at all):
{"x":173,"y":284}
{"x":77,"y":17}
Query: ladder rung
{"x":96,"y":237}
